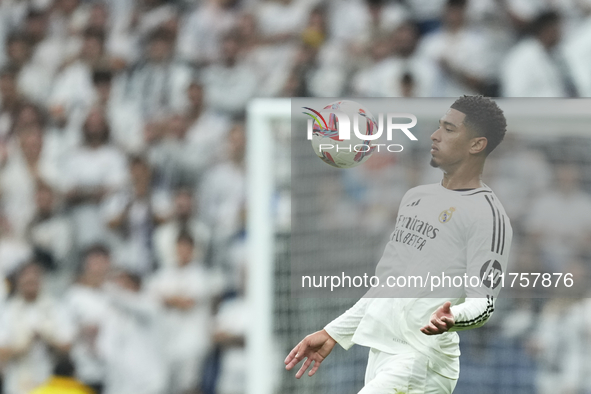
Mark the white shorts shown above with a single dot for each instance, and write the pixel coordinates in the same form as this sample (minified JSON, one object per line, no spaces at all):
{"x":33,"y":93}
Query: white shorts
{"x":407,"y":372}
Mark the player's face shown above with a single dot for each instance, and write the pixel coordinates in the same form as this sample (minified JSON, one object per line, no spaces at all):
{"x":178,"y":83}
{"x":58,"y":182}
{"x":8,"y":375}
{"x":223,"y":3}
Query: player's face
{"x":451,"y":141}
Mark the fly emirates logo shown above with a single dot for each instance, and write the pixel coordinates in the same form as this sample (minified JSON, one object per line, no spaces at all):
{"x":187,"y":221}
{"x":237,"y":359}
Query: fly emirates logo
{"x":413,"y":231}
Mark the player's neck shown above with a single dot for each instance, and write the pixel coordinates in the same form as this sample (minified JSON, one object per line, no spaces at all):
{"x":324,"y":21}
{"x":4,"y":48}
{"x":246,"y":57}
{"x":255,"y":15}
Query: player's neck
{"x":463,"y":177}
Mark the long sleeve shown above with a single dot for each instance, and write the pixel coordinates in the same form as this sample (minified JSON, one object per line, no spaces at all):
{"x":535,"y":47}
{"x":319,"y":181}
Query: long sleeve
{"x":343,"y":327}
{"x":472,"y":313}
{"x":487,"y":251}
{"x":140,"y":305}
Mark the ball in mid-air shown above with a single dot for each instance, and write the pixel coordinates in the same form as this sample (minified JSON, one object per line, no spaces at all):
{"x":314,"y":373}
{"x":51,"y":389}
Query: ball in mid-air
{"x":343,"y":153}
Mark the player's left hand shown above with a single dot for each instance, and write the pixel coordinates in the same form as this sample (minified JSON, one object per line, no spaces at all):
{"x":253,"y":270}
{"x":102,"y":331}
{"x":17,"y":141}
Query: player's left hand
{"x":441,"y":320}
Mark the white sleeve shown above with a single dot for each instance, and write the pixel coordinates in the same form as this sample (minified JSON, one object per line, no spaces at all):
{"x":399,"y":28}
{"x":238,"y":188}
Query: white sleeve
{"x":136,"y":304}
{"x":472,"y":313}
{"x":114,"y":205}
{"x":487,"y":247}
{"x":118,"y":173}
{"x":343,"y":327}
{"x":65,"y":329}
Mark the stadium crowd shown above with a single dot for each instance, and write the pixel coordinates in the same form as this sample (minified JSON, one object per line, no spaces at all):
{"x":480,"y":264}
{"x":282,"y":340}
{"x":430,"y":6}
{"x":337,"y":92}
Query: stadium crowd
{"x":122,"y":184}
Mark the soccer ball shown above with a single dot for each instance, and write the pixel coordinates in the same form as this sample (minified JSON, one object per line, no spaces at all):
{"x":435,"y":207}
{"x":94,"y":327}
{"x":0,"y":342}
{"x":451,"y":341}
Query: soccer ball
{"x":343,"y":153}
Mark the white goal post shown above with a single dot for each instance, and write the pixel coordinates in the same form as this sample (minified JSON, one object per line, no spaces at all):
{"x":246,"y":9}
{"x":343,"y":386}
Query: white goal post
{"x":260,"y":246}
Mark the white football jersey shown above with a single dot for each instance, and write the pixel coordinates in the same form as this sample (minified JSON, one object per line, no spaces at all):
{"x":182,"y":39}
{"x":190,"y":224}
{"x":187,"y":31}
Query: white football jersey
{"x":439,"y":232}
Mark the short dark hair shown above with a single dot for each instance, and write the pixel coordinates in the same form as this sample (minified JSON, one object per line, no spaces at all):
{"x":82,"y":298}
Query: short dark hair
{"x":106,"y":128}
{"x":543,"y":20}
{"x":18,"y":36}
{"x":484,"y":117}
{"x":102,"y":76}
{"x":457,"y":3}
{"x":9,"y":71}
{"x":64,"y":367}
{"x":185,"y":236}
{"x":133,"y":277}
{"x":139,"y":159}
{"x":407,"y":78}
{"x":34,"y":14}
{"x":161,"y":34}
{"x":94,"y":33}
{"x":97,"y":248}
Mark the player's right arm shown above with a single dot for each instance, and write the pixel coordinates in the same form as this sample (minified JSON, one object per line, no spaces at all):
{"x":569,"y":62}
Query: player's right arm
{"x":314,"y":348}
{"x":317,"y":346}
{"x":343,"y":327}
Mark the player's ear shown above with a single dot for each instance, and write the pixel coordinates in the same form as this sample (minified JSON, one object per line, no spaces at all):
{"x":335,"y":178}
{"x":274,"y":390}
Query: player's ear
{"x":478,"y":145}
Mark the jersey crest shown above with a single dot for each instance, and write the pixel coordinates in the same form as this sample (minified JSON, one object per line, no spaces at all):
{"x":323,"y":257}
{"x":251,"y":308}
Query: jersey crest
{"x":446,"y":215}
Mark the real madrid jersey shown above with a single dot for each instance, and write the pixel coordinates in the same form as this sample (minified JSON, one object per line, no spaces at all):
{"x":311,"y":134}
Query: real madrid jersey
{"x":438,"y":232}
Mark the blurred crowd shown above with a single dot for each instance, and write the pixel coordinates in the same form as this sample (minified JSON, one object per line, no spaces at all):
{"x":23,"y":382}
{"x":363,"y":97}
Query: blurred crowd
{"x":122,"y":185}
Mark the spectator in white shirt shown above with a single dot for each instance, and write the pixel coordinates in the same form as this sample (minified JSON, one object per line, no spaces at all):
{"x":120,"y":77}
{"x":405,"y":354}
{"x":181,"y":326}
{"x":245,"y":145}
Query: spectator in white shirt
{"x":561,"y":343}
{"x":564,"y":236}
{"x":56,"y":140}
{"x":14,"y":12}
{"x":90,"y":173}
{"x":397,"y":70}
{"x":230,"y":328}
{"x":32,"y":327}
{"x":28,"y":114}
{"x":186,"y":219}
{"x":172,"y":156}
{"x":202,"y":30}
{"x":222,"y":198}
{"x":48,"y":51}
{"x":159,"y":83}
{"x":88,"y":306}
{"x":577,"y":50}
{"x":125,"y":116}
{"x":206,"y":129}
{"x":150,"y":15}
{"x":131,"y":339}
{"x":536,"y":66}
{"x":33,"y":79}
{"x":133,"y":214}
{"x":270,"y":58}
{"x":62,"y":17}
{"x":29,"y":162}
{"x":358,"y":22}
{"x":229,"y":84}
{"x":282,"y":21}
{"x":49,"y":232}
{"x":14,"y":250}
{"x":571,"y":354}
{"x":311,"y":76}
{"x":458,"y":53}
{"x":187,"y":292}
{"x":518,"y":174}
{"x":376,"y":79}
{"x":73,"y":88}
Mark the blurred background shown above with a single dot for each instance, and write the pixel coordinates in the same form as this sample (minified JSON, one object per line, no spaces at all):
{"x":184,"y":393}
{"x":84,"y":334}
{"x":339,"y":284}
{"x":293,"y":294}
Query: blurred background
{"x":123,"y":183}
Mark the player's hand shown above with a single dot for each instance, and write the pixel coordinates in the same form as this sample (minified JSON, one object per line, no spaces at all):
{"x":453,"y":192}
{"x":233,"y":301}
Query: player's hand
{"x":315,"y":347}
{"x":441,"y":320}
